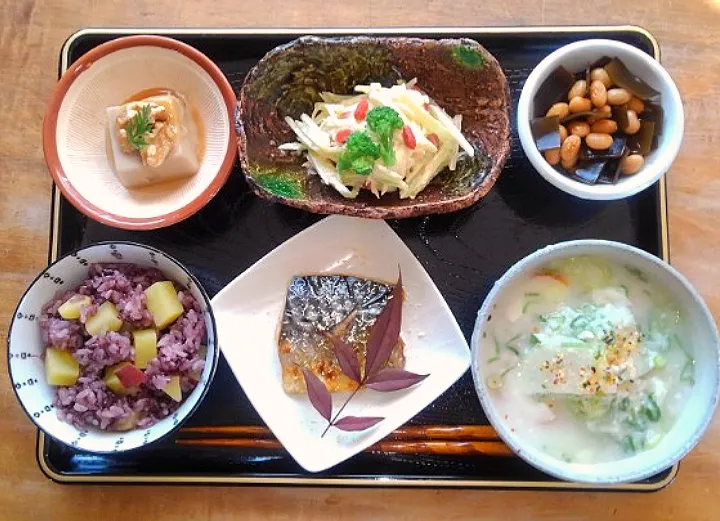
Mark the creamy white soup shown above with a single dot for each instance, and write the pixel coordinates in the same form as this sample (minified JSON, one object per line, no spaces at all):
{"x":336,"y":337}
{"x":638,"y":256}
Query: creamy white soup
{"x":588,"y":360}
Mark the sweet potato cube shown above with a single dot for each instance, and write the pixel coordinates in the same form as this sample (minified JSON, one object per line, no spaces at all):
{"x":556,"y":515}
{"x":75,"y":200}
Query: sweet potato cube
{"x":145,"y":342}
{"x":105,"y":319}
{"x":70,"y":309}
{"x":61,"y":368}
{"x":127,"y":423}
{"x":172,"y":389}
{"x":163,"y":303}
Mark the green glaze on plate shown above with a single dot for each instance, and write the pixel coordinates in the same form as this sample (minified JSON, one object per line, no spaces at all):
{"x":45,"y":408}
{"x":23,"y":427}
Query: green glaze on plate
{"x":465,"y":175}
{"x":459,"y":75}
{"x":293,"y":88}
{"x":281,"y":184}
{"x":468,"y":57}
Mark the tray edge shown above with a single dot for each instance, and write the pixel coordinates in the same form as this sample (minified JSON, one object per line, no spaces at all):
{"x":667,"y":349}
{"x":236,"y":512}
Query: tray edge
{"x":57,"y":477}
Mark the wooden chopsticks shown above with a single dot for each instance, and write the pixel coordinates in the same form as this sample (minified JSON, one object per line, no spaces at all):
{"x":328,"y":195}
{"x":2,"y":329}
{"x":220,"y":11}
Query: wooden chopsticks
{"x":415,"y":439}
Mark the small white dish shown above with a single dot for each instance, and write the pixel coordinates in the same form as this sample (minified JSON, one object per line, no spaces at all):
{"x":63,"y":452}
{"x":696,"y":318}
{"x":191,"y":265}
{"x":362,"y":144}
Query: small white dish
{"x":248,"y":313}
{"x":26,"y":348}
{"x":576,"y":56}
{"x":687,"y":429}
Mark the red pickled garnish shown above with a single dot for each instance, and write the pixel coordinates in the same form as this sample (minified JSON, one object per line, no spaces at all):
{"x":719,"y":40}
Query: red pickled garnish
{"x":408,"y":137}
{"x":342,"y":135}
{"x":361,"y":110}
{"x":434,"y":139}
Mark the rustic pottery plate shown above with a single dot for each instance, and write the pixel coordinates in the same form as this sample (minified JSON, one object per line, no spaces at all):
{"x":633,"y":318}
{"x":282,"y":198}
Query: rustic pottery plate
{"x":248,"y":313}
{"x":459,"y":74}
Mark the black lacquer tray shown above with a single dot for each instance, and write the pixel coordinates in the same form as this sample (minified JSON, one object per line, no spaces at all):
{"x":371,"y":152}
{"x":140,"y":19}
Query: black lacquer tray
{"x":464,"y":252}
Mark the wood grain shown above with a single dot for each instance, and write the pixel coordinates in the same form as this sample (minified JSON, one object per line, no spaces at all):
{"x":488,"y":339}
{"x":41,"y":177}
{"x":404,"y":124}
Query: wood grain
{"x":443,"y":447}
{"x":410,"y":432}
{"x":31,"y":33}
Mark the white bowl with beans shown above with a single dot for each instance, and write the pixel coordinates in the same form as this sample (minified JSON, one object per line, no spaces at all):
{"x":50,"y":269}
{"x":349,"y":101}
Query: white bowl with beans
{"x":575,"y":57}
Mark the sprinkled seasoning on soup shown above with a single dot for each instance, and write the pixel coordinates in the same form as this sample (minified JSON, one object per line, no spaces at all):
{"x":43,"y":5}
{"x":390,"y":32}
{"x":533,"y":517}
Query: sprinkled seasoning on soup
{"x":588,"y":360}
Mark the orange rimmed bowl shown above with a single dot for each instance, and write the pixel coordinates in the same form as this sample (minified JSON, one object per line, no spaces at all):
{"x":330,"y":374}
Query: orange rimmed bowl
{"x":74,"y":130}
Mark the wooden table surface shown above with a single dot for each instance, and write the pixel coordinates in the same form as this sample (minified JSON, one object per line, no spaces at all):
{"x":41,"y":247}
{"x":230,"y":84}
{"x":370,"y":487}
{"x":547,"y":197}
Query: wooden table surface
{"x":32,"y":32}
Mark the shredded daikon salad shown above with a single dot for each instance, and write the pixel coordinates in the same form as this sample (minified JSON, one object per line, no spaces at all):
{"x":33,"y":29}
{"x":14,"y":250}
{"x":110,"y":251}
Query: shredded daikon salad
{"x":382,"y":139}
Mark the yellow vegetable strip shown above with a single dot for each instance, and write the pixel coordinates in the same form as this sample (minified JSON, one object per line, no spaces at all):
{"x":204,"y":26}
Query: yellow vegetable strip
{"x":452,"y":129}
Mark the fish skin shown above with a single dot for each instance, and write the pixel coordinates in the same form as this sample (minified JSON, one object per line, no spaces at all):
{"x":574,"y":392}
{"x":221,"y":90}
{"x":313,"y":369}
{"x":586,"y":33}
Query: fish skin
{"x":316,"y":305}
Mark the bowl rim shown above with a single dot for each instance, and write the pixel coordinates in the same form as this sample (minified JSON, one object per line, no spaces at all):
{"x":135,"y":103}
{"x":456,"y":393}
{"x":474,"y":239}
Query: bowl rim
{"x":209,"y":310}
{"x":570,"y":186}
{"x":558,"y":468}
{"x":49,"y":133}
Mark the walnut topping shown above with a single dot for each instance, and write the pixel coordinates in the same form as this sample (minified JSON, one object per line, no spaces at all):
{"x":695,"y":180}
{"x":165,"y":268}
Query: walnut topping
{"x":164,"y":132}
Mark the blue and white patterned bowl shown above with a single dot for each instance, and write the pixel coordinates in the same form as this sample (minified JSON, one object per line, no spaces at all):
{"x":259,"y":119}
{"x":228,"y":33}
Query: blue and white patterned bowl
{"x":26,"y":348}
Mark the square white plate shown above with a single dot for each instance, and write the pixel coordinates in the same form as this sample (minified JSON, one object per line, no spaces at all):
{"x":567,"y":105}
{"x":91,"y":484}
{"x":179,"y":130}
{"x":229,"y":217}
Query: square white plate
{"x":248,"y":313}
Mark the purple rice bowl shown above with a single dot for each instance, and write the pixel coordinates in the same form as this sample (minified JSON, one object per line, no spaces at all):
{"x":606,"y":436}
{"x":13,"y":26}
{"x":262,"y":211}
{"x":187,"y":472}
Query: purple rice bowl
{"x":89,"y":403}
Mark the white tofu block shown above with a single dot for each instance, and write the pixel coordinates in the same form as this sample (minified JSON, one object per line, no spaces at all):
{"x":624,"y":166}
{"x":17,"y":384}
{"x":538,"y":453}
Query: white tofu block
{"x":180,"y":163}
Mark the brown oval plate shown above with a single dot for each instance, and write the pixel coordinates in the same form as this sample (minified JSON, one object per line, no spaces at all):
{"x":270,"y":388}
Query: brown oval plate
{"x":458,"y":74}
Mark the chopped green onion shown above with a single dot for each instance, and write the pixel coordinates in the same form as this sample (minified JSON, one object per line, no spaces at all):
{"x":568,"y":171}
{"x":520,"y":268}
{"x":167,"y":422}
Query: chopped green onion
{"x":527,"y":305}
{"x":635,"y":272}
{"x":651,"y":409}
{"x":659,"y":361}
{"x":688,"y":372}
{"x":506,"y":371}
{"x":652,"y":441}
{"x":628,"y":444}
{"x":497,"y":351}
{"x":513,"y":339}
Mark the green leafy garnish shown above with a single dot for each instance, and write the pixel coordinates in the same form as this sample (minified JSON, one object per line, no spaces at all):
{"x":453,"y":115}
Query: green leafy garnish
{"x":138,"y":127}
{"x":383,"y":122}
{"x":359,"y":155}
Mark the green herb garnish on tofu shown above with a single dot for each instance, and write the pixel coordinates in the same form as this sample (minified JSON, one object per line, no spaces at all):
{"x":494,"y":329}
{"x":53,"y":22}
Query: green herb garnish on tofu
{"x":138,"y":127}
